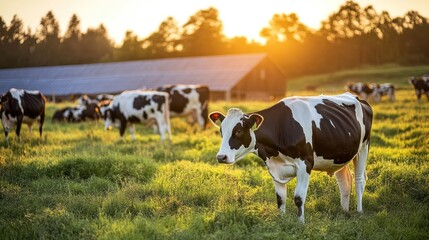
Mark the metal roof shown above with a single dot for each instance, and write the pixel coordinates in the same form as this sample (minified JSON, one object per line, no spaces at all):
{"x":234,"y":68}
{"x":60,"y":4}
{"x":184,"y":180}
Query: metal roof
{"x":219,"y":73}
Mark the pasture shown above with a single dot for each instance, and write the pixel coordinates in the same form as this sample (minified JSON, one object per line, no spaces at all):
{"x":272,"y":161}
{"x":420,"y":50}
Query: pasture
{"x":81,"y":182}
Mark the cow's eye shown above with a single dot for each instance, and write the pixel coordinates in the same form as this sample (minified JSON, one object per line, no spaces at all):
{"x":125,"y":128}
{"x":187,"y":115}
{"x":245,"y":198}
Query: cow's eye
{"x":239,"y":133}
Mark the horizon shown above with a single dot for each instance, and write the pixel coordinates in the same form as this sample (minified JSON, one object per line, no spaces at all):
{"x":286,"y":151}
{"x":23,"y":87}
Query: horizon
{"x":110,"y":13}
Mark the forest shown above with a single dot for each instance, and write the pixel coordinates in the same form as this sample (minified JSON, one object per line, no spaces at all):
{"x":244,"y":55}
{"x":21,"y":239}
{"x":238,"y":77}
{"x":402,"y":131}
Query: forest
{"x":353,"y":36}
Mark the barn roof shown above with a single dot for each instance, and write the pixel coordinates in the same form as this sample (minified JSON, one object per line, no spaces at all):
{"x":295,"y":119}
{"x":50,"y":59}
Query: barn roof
{"x":220,"y":73}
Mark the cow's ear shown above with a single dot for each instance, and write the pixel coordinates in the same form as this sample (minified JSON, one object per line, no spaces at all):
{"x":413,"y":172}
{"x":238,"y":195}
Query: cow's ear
{"x":256,"y":120}
{"x":216,"y":118}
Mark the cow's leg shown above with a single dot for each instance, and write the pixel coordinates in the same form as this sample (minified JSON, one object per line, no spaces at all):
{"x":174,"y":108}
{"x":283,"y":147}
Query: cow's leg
{"x":41,"y":121}
{"x":122,"y":127}
{"x":5,"y":136}
{"x":201,"y":119}
{"x":419,"y":95}
{"x":281,"y":192}
{"x":30,"y":127}
{"x":132,"y":131}
{"x":302,"y":181}
{"x":344,"y":180}
{"x":161,"y":126}
{"x":18,"y":127}
{"x":360,"y":175}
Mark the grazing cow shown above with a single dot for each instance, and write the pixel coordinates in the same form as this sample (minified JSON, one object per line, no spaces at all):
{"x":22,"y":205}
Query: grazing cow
{"x":22,"y":106}
{"x":85,"y":99}
{"x":77,"y":114}
{"x":384,"y":89}
{"x":90,"y":111}
{"x":138,"y":107}
{"x":61,"y":115}
{"x":301,"y":134}
{"x":421,"y":86}
{"x":189,"y":100}
{"x":363,"y":90}
{"x":104,"y":97}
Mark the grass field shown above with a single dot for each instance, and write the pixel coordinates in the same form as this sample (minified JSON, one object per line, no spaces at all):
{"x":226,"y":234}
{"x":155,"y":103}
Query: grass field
{"x":81,"y":182}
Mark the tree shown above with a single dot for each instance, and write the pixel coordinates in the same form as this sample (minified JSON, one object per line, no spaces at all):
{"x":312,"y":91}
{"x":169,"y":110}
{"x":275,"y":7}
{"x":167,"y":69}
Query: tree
{"x":165,"y":41}
{"x":48,"y":37}
{"x":131,"y":49}
{"x":96,"y":46}
{"x":415,"y":37}
{"x":12,"y":38}
{"x":284,"y":27}
{"x":71,"y":45}
{"x":202,"y":34}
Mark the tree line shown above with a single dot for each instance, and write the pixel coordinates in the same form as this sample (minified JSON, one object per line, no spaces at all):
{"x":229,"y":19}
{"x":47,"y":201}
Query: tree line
{"x":350,"y":37}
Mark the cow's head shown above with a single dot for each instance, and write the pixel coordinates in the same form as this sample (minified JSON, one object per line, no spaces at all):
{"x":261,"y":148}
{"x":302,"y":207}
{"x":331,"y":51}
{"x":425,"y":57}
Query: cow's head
{"x":106,"y":114}
{"x":237,"y":130}
{"x":412,"y":80}
{"x":7,"y":120}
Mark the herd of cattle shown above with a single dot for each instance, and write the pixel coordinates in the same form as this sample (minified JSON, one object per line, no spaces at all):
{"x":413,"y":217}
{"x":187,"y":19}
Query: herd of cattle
{"x":150,"y":107}
{"x":23,"y":106}
{"x":293,"y":137}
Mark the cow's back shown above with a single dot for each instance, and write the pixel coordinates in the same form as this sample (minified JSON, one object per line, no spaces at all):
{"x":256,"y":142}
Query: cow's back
{"x":132,"y":103}
{"x":33,"y":104}
{"x":331,"y":126}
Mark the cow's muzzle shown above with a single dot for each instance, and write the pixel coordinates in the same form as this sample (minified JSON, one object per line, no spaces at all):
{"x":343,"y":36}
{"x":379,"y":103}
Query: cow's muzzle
{"x":222,"y":158}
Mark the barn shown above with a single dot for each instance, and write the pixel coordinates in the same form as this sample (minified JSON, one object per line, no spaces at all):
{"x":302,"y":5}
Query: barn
{"x":229,"y":77}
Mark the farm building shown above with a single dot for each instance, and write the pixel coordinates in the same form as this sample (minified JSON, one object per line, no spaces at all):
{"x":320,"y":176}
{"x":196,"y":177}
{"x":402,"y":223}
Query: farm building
{"x":229,"y":77}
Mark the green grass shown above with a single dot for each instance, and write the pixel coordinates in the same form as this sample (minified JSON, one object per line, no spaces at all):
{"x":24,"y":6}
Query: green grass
{"x":81,"y":182}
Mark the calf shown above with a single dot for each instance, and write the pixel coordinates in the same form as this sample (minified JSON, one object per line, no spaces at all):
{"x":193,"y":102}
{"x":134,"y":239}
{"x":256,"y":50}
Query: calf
{"x":301,"y":134}
{"x":421,"y":86}
{"x":363,"y":90}
{"x":189,"y":100}
{"x":22,"y":106}
{"x":384,"y":89}
{"x":61,"y":115}
{"x":138,"y":107}
{"x":85,"y":99}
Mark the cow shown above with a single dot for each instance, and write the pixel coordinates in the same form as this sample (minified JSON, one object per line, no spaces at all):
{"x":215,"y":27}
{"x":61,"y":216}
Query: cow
{"x":384,"y":89}
{"x":79,"y":113}
{"x":22,"y":106}
{"x":188,"y":100}
{"x":61,"y":115}
{"x":138,"y":107}
{"x":298,"y":135}
{"x":421,"y":86}
{"x":85,"y":99}
{"x":104,"y":97}
{"x":363,"y":90}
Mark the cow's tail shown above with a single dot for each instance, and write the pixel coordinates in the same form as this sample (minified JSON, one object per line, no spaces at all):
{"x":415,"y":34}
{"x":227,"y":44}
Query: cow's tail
{"x":167,"y":115}
{"x":42,"y":115}
{"x":204,"y":93}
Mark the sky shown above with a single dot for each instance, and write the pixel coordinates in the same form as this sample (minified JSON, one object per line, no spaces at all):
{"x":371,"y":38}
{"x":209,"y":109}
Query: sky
{"x":143,"y":17}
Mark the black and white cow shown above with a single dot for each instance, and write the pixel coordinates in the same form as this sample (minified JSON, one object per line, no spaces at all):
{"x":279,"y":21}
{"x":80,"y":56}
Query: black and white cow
{"x":22,"y":106}
{"x":79,"y":113}
{"x":188,"y":100}
{"x":421,"y":86}
{"x":301,"y":134}
{"x":138,"y":107}
{"x":363,"y":90}
{"x":85,"y":99}
{"x":61,"y":115}
{"x":384,"y":89}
